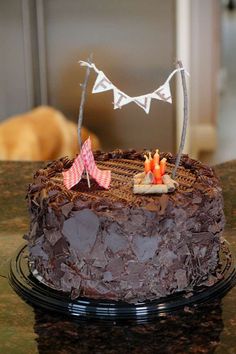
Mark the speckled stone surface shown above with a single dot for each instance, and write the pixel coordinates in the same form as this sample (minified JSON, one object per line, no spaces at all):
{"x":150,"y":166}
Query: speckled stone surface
{"x":24,"y":330}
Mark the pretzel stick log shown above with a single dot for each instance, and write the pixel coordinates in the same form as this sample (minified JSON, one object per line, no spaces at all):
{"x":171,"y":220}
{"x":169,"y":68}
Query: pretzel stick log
{"x":150,"y":188}
{"x":171,"y":184}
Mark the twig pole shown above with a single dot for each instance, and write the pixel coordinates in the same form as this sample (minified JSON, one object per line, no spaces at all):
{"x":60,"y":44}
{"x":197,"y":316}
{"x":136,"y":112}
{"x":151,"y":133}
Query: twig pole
{"x":185,"y":120}
{"x":81,"y":110}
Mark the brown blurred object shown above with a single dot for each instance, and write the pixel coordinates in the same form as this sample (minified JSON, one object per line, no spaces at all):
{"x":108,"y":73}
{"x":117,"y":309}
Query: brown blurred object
{"x":41,"y":134}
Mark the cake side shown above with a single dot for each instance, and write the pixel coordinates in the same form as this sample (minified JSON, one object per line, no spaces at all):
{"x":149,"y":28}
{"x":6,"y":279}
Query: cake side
{"x":115,"y":245}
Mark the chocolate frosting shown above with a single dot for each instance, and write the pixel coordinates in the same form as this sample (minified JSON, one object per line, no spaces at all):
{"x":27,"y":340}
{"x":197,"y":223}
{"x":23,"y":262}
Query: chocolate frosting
{"x":112,"y":244}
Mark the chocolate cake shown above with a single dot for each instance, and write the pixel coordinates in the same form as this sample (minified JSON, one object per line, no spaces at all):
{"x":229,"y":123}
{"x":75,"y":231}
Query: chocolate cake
{"x":113,"y":244}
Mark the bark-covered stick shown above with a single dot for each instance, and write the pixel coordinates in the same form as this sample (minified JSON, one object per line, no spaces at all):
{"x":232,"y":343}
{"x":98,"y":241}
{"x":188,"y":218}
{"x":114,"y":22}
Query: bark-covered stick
{"x":83,"y":97}
{"x":81,"y":110}
{"x":185,"y":120}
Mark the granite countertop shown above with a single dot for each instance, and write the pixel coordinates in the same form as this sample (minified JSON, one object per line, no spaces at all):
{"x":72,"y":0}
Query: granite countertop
{"x":24,"y":330}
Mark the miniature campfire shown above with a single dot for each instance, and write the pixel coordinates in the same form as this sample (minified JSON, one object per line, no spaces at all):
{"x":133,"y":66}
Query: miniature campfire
{"x":154,"y":179}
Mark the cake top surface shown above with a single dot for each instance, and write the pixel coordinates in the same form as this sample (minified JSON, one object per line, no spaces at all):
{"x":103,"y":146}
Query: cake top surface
{"x":191,"y":175}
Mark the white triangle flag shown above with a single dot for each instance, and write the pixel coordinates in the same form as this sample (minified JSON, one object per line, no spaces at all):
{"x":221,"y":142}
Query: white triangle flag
{"x":143,"y":101}
{"x":163,"y":93}
{"x":102,"y":83}
{"x":120,"y":98}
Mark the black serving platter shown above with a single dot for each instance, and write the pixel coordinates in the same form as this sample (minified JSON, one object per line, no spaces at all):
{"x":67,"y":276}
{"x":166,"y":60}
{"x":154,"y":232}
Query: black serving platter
{"x":40,"y":295}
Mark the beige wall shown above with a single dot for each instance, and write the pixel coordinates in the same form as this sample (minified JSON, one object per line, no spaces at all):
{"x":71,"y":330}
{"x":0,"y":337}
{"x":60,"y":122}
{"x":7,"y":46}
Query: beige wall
{"x":132,"y":41}
{"x":205,"y":49}
{"x":134,"y":44}
{"x":205,"y":68}
{"x":13,"y":82}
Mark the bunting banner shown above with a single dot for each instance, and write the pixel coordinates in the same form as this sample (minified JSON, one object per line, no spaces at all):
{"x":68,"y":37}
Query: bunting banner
{"x":85,"y":160}
{"x":102,"y":84}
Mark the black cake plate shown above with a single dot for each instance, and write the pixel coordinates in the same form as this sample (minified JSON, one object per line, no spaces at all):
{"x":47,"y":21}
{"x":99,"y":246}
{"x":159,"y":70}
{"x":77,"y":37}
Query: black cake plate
{"x":38,"y":294}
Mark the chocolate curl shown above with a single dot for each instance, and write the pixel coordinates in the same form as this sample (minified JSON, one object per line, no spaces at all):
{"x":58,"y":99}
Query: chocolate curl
{"x":185,"y":120}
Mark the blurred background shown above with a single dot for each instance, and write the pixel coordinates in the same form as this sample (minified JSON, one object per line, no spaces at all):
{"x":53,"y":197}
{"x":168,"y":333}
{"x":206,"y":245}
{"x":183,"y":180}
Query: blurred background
{"x":136,"y":44}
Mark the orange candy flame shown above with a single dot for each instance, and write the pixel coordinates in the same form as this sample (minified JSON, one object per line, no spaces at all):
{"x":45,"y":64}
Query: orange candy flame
{"x":157,"y":167}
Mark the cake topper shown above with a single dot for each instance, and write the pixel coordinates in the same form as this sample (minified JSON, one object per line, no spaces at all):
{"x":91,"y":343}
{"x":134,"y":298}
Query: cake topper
{"x":81,"y":110}
{"x":185,"y":120}
{"x":85,"y":160}
{"x":153,"y":179}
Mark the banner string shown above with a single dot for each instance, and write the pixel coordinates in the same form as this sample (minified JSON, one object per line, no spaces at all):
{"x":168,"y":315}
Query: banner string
{"x":120,"y":98}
